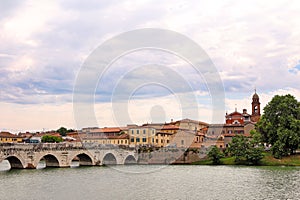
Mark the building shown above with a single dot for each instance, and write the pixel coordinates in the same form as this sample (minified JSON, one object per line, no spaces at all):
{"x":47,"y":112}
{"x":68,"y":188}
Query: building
{"x":6,"y":137}
{"x":235,"y":123}
{"x":104,"y":136}
{"x":188,"y":124}
{"x":142,"y":135}
{"x":122,"y":139}
{"x":255,"y":108}
{"x":244,"y":117}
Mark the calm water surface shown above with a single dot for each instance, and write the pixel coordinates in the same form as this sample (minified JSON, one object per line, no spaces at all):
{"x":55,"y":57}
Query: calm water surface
{"x":151,"y":182}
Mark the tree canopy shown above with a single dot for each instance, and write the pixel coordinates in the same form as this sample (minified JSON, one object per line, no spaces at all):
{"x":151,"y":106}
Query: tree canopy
{"x":245,"y":149}
{"x":51,"y":139}
{"x":63,"y":131}
{"x":215,"y":155}
{"x":280,"y":125}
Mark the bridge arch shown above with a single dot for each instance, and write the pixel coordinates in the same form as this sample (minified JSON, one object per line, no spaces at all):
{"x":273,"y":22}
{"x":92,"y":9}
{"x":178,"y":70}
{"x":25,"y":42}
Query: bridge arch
{"x":109,"y":159}
{"x":50,"y":160}
{"x":84,"y":159}
{"x":15,"y":162}
{"x":129,"y":160}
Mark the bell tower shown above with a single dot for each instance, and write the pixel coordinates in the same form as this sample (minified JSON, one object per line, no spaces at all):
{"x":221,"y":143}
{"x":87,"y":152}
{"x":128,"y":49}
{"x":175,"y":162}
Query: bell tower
{"x":255,"y":108}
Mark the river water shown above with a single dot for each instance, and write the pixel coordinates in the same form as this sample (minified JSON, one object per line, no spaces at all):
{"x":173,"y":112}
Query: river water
{"x":151,"y":182}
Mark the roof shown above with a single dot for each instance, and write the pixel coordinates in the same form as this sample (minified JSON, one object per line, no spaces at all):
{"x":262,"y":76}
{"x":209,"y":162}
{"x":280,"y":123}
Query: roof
{"x":170,"y":127}
{"x":164,"y":133}
{"x":106,"y":130}
{"x":8,"y":135}
{"x":234,"y":113}
{"x":186,"y":120}
{"x":255,"y":96}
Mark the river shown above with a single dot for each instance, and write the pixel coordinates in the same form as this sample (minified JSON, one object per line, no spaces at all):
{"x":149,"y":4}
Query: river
{"x":151,"y":182}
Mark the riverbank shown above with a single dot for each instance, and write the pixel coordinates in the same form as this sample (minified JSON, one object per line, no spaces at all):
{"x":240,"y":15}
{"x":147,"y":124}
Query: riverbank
{"x":268,"y":160}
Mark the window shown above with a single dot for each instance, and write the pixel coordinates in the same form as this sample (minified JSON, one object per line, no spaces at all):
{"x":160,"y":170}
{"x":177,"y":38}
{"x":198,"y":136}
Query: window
{"x":144,"y":139}
{"x":137,"y":139}
{"x":161,"y":141}
{"x":132,"y":140}
{"x":131,"y":132}
{"x":144,"y":131}
{"x":182,"y":142}
{"x":256,"y":109}
{"x":156,"y":140}
{"x":168,"y":141}
{"x":137,"y":131}
{"x":152,"y":140}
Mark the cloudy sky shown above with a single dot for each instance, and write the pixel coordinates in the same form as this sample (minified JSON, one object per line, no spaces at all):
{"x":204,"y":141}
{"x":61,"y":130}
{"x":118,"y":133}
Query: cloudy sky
{"x":44,"y":45}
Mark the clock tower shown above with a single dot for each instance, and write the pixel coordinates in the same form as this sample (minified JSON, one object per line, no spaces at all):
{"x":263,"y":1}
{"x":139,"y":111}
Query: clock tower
{"x":255,"y":108}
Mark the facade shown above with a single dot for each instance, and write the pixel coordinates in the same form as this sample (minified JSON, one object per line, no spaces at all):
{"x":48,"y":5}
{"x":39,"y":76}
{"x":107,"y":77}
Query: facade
{"x":182,"y":139}
{"x":104,"y":136}
{"x":163,"y":139}
{"x":122,"y":139}
{"x":142,"y":135}
{"x":6,"y":137}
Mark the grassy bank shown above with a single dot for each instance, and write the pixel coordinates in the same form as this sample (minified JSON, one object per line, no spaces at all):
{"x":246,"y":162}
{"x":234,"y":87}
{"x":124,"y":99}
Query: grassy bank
{"x":268,"y":160}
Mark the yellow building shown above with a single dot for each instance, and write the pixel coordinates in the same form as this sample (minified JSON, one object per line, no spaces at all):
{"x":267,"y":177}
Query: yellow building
{"x":142,"y":135}
{"x":122,"y":139}
{"x":163,"y":139}
{"x":6,"y":137}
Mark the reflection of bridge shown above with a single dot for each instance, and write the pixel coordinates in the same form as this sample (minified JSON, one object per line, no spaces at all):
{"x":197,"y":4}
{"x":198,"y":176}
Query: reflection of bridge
{"x":25,"y":156}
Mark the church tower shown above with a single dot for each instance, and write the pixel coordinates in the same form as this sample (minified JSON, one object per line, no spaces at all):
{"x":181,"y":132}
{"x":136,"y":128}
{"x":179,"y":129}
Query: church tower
{"x":255,"y":108}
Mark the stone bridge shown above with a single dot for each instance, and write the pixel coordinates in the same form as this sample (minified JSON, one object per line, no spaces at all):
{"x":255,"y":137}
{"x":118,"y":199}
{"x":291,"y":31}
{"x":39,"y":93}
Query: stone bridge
{"x":28,"y":156}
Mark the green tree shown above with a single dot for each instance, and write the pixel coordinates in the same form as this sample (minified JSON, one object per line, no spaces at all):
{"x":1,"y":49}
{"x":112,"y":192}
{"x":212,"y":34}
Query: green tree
{"x":280,"y":125}
{"x":215,"y":155}
{"x":51,"y":139}
{"x":245,"y":149}
{"x":62,"y":131}
{"x":238,"y":147}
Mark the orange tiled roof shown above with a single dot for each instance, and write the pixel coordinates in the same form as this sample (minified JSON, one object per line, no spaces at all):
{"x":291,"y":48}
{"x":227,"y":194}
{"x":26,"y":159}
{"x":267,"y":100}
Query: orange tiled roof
{"x":170,"y":127}
{"x":8,"y":135}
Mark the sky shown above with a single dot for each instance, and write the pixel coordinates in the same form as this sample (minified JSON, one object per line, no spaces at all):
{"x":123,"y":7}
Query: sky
{"x":45,"y":46}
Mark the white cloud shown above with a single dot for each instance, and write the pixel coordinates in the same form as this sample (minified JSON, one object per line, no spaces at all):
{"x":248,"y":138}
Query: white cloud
{"x":253,"y":44}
